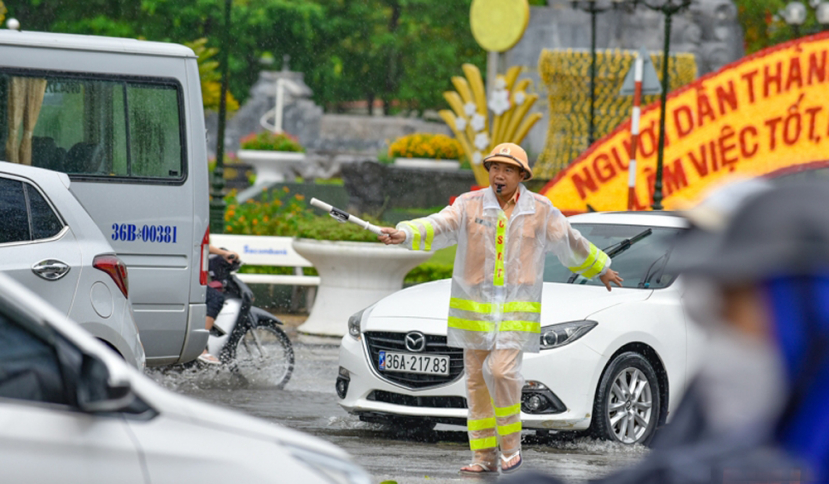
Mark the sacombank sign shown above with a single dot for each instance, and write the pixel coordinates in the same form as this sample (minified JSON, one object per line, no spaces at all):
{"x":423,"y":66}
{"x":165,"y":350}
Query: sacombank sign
{"x":766,"y":114}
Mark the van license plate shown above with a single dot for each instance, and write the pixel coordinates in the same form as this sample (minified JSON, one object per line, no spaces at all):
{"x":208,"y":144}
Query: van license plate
{"x":409,"y":363}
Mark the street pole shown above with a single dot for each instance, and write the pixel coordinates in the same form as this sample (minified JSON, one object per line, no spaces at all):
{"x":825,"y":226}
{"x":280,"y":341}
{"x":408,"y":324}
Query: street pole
{"x":591,"y":133}
{"x":217,"y":202}
{"x":668,"y":9}
{"x":592,"y":9}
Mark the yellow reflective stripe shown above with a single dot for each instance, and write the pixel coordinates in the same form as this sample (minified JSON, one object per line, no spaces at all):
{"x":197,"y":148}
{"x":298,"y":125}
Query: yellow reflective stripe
{"x":485,"y":443}
{"x":597,"y":267}
{"x":430,"y":233}
{"x":416,"y":234}
{"x":591,"y":258}
{"x":470,"y":325}
{"x":498,"y":278}
{"x":508,"y":411}
{"x":509,"y":429}
{"x":522,"y":307}
{"x":525,"y":326}
{"x":487,"y":308}
{"x":475,"y":307}
{"x":482,"y":424}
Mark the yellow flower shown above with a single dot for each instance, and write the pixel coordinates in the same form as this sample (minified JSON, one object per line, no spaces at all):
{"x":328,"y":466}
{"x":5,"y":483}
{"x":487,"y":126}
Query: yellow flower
{"x":299,"y":197}
{"x":229,"y":228}
{"x":285,"y":189}
{"x":255,"y":221}
{"x":265,"y":219}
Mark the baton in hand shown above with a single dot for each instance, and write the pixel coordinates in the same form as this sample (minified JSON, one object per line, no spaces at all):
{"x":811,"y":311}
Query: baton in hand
{"x":344,"y":217}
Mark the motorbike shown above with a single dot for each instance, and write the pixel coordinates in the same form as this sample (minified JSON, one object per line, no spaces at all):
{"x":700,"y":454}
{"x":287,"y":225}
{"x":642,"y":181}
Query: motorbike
{"x":249,"y":340}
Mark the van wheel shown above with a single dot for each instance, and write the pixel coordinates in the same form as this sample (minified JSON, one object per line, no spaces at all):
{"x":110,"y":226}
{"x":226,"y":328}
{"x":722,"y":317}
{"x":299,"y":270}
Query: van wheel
{"x":627,"y":404}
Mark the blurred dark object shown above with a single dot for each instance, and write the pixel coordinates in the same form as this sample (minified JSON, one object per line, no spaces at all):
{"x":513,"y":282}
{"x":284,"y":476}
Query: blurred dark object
{"x":769,"y":270}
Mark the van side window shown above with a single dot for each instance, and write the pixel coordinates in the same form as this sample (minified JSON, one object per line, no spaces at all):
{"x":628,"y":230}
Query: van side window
{"x":155,"y":142}
{"x":92,"y":126}
{"x":45,"y":223}
{"x":15,"y":226}
{"x":29,"y":368}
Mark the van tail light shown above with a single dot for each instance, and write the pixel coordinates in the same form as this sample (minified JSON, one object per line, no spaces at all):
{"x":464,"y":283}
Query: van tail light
{"x":116,"y":269}
{"x":205,"y":253}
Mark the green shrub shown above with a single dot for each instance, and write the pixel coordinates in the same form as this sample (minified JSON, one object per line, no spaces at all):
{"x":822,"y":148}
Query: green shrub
{"x":428,"y":271}
{"x":327,"y":228}
{"x":273,"y":214}
{"x":268,"y":141}
{"x":278,"y":271}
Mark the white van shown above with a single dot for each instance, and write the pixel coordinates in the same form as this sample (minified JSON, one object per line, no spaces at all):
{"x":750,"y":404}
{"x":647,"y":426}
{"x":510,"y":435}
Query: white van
{"x":124,"y":119}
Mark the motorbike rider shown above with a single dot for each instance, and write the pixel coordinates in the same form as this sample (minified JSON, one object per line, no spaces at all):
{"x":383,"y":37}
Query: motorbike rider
{"x":762,"y":283}
{"x":502,"y":233}
{"x":215,"y":299}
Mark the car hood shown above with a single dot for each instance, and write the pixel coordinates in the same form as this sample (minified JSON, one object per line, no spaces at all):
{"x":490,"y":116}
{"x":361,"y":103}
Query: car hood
{"x":184,"y":409}
{"x":430,"y":302}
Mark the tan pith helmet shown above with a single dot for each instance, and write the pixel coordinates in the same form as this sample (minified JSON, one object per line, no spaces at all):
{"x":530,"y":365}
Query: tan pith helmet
{"x":512,"y":154}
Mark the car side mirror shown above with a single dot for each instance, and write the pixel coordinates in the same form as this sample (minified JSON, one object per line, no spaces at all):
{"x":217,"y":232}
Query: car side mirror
{"x":95,"y":391}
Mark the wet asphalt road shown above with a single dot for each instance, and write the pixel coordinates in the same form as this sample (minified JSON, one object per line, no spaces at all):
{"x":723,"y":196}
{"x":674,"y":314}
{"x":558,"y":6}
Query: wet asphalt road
{"x":309,"y":404}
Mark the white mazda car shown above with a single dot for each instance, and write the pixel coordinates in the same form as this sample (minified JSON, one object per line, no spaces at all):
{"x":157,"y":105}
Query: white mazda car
{"x":615,"y":363}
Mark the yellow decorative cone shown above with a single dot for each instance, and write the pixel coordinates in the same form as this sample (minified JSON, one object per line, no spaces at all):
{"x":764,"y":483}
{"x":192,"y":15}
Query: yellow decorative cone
{"x":469,"y":117}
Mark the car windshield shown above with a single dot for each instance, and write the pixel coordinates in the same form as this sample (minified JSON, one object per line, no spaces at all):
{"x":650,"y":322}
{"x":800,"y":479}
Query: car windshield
{"x":641,"y":264}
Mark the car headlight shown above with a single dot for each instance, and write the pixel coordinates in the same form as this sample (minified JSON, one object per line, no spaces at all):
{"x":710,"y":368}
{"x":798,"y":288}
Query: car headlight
{"x":561,"y":334}
{"x":354,"y":324}
{"x":338,"y":471}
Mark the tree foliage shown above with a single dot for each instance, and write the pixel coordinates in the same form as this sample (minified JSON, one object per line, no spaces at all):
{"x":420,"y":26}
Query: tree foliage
{"x":402,"y":52}
{"x":211,"y":76}
{"x":764,"y":26}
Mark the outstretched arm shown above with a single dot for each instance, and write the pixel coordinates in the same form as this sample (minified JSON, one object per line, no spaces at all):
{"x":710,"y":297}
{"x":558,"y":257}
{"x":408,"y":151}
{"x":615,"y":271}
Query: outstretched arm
{"x":610,"y":276}
{"x":577,"y":253}
{"x":393,"y":236}
{"x":434,"y":232}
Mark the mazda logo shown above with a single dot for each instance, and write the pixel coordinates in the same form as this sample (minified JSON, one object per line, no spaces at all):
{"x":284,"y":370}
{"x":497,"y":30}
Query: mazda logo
{"x":415,"y":342}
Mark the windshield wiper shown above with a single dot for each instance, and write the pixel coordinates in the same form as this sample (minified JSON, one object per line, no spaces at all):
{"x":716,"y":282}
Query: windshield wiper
{"x":619,"y":247}
{"x":645,"y":281}
{"x":623,"y":245}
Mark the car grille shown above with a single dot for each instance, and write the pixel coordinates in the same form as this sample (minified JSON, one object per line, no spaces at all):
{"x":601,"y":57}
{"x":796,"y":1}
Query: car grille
{"x":377,"y":341}
{"x":412,"y":401}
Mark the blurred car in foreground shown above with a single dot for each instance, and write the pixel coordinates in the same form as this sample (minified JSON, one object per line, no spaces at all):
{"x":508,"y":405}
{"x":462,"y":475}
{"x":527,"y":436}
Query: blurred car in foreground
{"x":72,"y":412}
{"x":615,"y":363}
{"x":49,"y":243}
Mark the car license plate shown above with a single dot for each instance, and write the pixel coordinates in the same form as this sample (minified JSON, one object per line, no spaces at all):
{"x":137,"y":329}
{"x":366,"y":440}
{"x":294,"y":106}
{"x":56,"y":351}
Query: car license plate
{"x":409,"y":363}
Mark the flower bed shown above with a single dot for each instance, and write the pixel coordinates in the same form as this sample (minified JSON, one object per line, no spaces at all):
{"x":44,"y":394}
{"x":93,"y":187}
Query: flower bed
{"x":426,"y":145}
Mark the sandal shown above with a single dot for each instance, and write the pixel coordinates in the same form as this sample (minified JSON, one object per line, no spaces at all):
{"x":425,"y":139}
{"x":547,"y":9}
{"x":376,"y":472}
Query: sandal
{"x":505,"y":460}
{"x":485,"y":469}
{"x":209,"y":359}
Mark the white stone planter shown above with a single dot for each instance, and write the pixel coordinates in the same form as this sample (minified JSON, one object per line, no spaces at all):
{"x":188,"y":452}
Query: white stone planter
{"x":353,"y":275}
{"x":427,"y":163}
{"x":271,"y":166}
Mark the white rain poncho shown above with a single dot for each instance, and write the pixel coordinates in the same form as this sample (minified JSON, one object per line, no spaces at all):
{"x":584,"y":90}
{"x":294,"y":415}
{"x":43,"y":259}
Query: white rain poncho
{"x":499,"y":265}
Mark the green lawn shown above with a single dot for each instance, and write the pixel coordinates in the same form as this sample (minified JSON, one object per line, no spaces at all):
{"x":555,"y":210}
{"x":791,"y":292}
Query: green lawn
{"x":444,"y":256}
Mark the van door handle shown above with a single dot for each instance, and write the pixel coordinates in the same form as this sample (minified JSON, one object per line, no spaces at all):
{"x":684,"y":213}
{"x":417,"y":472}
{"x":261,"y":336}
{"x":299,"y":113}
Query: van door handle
{"x":51,"y":269}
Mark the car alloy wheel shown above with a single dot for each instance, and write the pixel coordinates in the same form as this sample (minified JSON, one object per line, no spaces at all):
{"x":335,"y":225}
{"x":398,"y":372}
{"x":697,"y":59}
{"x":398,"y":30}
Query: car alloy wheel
{"x":630,"y":407}
{"x":627,"y":402}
